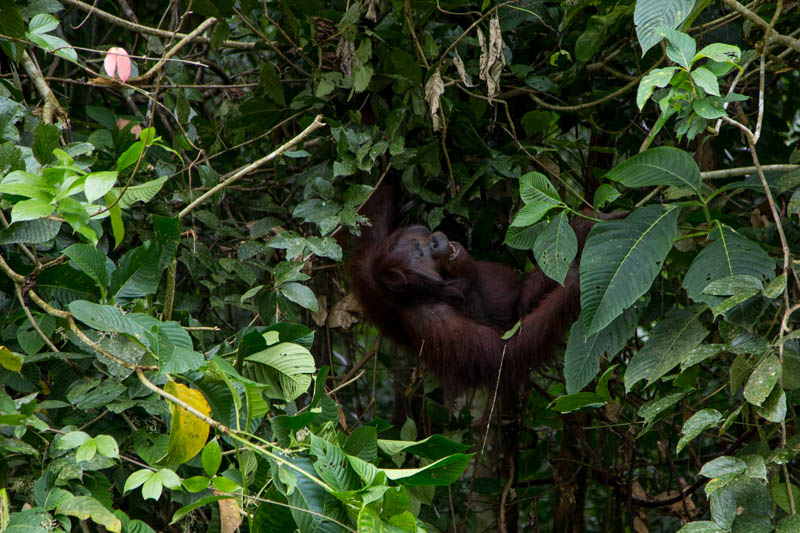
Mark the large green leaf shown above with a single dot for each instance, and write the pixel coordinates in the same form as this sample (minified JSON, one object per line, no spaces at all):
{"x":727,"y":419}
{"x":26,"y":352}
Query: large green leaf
{"x":762,"y":380}
{"x":664,"y":165}
{"x":620,"y":261}
{"x":332,"y":465}
{"x":649,"y":15}
{"x":673,"y":338}
{"x":86,"y":507}
{"x":556,"y":247}
{"x":92,"y":262}
{"x":438,"y":474}
{"x":730,"y":254}
{"x":286,"y":366}
{"x":138,"y":193}
{"x":107,"y":318}
{"x":582,"y":356}
{"x":138,"y":273}
{"x":30,"y":232}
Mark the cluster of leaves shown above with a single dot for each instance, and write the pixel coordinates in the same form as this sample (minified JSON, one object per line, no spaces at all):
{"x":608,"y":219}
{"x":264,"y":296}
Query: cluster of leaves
{"x":160,"y":274}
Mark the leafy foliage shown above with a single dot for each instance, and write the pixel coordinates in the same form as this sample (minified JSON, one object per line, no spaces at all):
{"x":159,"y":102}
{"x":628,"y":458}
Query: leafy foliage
{"x":178,"y":348}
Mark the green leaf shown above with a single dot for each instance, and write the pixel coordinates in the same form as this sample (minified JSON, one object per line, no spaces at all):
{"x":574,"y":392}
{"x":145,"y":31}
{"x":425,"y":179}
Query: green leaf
{"x":605,"y":194}
{"x":98,"y":184}
{"x":169,"y":479}
{"x":138,"y":193}
{"x":86,"y":451}
{"x":137,"y":478}
{"x":701,"y":527}
{"x":699,"y":422}
{"x":658,"y":77}
{"x":681,"y":47}
{"x":650,"y":15}
{"x":107,"y":446}
{"x":531,"y":214}
{"x":671,"y":340}
{"x":86,"y":508}
{"x":722,"y":466}
{"x":45,"y":140}
{"x":186,"y":509}
{"x":138,"y":273}
{"x":92,"y":262}
{"x":299,"y":294}
{"x":577,"y":401}
{"x":620,"y":261}
{"x":271,"y":83}
{"x":11,"y":22}
{"x":709,"y":108}
{"x":523,"y":238}
{"x":106,"y":318}
{"x":732,"y":285}
{"x":42,"y":23}
{"x":71,"y":440}
{"x":774,"y":407}
{"x":582,"y":356}
{"x":790,"y":524}
{"x":30,"y":232}
{"x":115,"y":214}
{"x":286,"y":366}
{"x":556,"y":247}
{"x":31,"y":210}
{"x":762,"y":380}
{"x":706,"y":80}
{"x":729,"y":254}
{"x":151,"y":489}
{"x":211,"y":457}
{"x":720,"y":52}
{"x":438,"y":474}
{"x":664,"y":165}
{"x":535,"y":187}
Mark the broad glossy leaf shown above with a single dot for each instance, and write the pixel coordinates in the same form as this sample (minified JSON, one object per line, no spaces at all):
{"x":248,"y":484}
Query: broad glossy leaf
{"x":649,"y":15}
{"x":556,"y":247}
{"x":582,"y":356}
{"x":92,"y":262}
{"x":620,"y":261}
{"x":31,"y":210}
{"x":671,"y":340}
{"x":137,"y":274}
{"x":699,"y":422}
{"x":438,"y":474}
{"x":287,"y":365}
{"x":664,"y":165}
{"x":98,"y":184}
{"x":762,"y":380}
{"x":88,"y":508}
{"x":728,"y":254}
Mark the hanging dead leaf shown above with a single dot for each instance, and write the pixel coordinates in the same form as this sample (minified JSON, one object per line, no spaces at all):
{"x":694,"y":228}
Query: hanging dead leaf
{"x":345,"y":312}
{"x":346,"y":51}
{"x":462,"y":72}
{"x":229,"y":517}
{"x":496,"y":60}
{"x":433,"y":92}
{"x":372,"y":10}
{"x":322,"y":311}
{"x":187,"y":433}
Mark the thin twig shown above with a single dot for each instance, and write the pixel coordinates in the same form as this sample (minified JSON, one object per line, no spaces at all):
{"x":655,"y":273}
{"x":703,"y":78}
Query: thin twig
{"x":318,"y":123}
{"x":140,"y":28}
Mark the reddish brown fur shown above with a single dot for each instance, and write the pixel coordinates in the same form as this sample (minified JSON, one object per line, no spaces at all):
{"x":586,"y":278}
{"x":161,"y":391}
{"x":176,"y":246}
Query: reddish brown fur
{"x":457,"y":322}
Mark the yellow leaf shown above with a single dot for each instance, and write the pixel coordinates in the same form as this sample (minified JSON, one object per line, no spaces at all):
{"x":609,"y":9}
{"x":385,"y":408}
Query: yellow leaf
{"x":187,"y":433}
{"x":10,"y":360}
